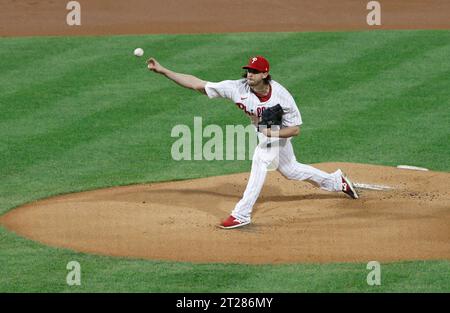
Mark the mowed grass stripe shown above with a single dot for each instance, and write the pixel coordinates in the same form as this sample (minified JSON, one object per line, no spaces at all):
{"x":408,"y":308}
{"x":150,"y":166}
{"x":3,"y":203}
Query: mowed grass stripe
{"x":407,"y":119}
{"x":363,"y":74}
{"x":83,"y":64}
{"x":51,"y":145}
{"x":84,"y":100}
{"x":92,"y":96}
{"x":335,"y":57}
{"x":19,"y":54}
{"x":388,"y":98}
{"x":400,"y":112}
{"x":36,"y":56}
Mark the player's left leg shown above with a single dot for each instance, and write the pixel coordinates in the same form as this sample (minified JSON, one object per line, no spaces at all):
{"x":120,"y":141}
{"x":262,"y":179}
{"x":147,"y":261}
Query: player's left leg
{"x":291,"y":169}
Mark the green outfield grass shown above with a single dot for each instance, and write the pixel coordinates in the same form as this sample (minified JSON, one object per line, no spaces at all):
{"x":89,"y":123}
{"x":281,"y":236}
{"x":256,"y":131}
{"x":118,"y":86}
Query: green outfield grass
{"x":82,"y":113}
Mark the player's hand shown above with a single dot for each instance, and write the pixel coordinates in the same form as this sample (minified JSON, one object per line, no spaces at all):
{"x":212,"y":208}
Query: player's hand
{"x":154,"y":66}
{"x":266,"y":131}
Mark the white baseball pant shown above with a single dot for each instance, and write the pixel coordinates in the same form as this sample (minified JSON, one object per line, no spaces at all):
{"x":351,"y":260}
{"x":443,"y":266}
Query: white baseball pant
{"x":288,"y":167}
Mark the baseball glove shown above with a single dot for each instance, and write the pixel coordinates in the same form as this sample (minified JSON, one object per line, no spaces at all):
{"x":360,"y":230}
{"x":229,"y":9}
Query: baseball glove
{"x":271,"y":116}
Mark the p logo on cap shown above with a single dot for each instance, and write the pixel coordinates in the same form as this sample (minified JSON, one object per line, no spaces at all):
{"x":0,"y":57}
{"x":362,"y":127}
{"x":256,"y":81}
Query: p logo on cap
{"x":258,"y":63}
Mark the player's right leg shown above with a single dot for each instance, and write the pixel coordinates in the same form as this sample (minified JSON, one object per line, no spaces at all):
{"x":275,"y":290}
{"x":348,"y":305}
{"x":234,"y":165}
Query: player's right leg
{"x":241,"y":214}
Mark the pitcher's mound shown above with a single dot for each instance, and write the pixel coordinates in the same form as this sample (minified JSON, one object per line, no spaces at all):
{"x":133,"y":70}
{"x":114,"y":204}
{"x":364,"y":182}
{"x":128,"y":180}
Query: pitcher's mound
{"x":292,"y":221}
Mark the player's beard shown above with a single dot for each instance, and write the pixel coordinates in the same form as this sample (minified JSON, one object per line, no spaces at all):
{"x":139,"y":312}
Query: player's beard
{"x":253,"y":82}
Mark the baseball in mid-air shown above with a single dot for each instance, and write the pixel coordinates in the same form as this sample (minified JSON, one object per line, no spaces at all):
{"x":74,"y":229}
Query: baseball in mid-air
{"x":138,"y":52}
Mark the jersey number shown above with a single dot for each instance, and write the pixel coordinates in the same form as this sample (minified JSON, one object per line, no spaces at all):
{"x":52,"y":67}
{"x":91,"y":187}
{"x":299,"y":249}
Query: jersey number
{"x":260,"y":110}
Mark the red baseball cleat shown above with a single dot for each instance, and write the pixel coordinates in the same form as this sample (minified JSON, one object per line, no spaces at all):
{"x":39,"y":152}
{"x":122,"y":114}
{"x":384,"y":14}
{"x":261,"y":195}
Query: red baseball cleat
{"x":348,"y":188}
{"x":233,"y":222}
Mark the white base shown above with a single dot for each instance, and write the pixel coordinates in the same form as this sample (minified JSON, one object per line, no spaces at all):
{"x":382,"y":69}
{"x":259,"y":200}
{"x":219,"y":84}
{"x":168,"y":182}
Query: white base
{"x":409,"y":167}
{"x":371,"y":186}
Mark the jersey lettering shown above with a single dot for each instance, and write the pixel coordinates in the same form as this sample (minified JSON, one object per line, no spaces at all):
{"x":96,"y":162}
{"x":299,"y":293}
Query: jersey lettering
{"x":244,"y":108}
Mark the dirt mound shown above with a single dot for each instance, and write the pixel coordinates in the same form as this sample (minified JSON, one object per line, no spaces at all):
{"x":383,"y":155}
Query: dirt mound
{"x":292,"y":222}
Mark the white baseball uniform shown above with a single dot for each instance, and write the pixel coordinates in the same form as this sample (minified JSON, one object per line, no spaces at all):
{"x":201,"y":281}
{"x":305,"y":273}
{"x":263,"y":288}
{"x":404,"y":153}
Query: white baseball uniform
{"x":280,"y":149}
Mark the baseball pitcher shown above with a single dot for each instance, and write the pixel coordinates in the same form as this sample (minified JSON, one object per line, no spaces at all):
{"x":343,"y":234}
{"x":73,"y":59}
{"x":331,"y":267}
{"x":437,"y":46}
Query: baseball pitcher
{"x":277,"y":118}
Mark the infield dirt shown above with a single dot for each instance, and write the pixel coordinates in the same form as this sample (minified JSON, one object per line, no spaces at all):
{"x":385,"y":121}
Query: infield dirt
{"x":108,"y":17}
{"x":293,"y":221}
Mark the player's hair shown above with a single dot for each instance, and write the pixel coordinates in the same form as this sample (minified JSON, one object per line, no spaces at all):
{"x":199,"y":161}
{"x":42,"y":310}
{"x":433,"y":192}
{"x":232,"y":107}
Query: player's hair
{"x":266,"y":80}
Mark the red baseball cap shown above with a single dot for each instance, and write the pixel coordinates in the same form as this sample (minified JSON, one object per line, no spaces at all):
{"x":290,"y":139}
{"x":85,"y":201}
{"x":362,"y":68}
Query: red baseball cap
{"x":258,"y":63}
